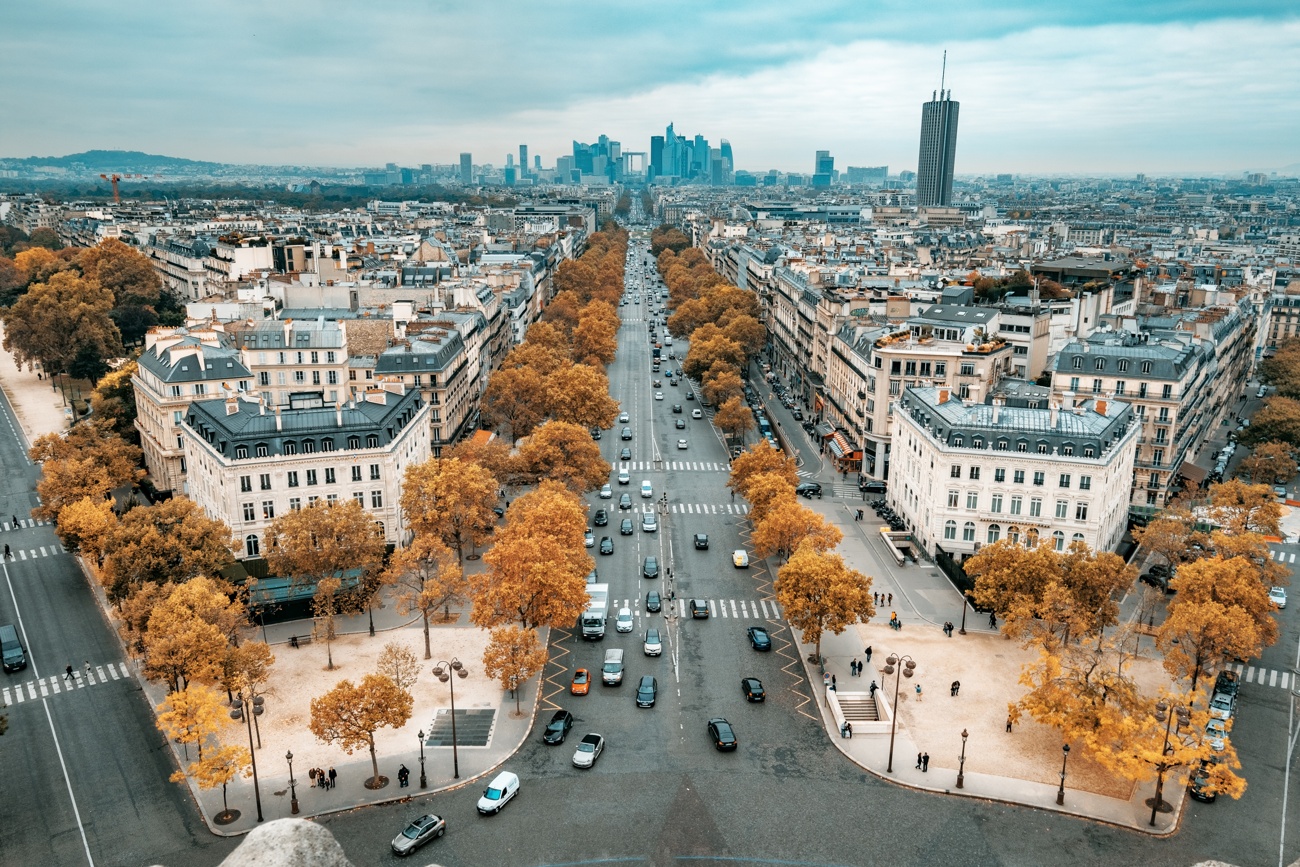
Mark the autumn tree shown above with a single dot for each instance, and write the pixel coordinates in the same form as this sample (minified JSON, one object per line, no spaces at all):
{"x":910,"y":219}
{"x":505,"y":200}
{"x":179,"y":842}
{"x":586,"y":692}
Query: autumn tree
{"x":39,"y":264}
{"x":1282,"y":370}
{"x":708,"y":350}
{"x":1168,"y":535}
{"x":760,"y":458}
{"x":722,"y":386}
{"x":1241,"y":508}
{"x":54,"y":321}
{"x":766,"y":492}
{"x":734,"y":418}
{"x":85,"y":526}
{"x":398,"y":664}
{"x":492,"y":455}
{"x":565,"y":453}
{"x":787,"y":526}
{"x":247,"y":667}
{"x":88,"y":461}
{"x":450,"y":501}
{"x":1196,"y":637}
{"x":191,"y":716}
{"x":820,"y":594}
{"x":324,"y":539}
{"x":515,"y":397}
{"x":579,"y":395}
{"x":1278,"y":421}
{"x":1236,"y":585}
{"x":537,"y":569}
{"x":114,"y":400}
{"x":426,"y":576}
{"x":512,"y":656}
{"x":349,"y":715}
{"x":595,"y":335}
{"x":172,"y":541}
{"x":181,"y":647}
{"x":218,"y":768}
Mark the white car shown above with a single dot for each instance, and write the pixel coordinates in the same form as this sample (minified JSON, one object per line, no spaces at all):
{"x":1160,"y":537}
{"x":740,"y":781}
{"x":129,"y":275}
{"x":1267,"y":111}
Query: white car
{"x":647,"y":490}
{"x":659,"y":395}
{"x":606,"y":492}
{"x":1222,"y":706}
{"x":653,"y":643}
{"x":681,"y":445}
{"x":740,"y":558}
{"x":1216,"y":733}
{"x":624,"y":478}
{"x":589,"y":540}
{"x":1277,"y":595}
{"x":649,"y":523}
{"x":623,"y":622}
{"x":623,"y":419}
{"x":695,"y":413}
{"x":589,"y":749}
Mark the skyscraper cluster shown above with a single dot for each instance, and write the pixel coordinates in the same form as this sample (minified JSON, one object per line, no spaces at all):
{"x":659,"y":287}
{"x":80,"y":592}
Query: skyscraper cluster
{"x":678,"y":157}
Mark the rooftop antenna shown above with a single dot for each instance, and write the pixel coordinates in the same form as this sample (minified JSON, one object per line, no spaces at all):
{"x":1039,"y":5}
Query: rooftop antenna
{"x":944,"y":73}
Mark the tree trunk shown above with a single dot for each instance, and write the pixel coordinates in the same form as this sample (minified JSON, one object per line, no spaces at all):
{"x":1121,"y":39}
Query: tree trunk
{"x":225,"y":805}
{"x":428,"y":654}
{"x":374,"y":762}
{"x":329,"y":652}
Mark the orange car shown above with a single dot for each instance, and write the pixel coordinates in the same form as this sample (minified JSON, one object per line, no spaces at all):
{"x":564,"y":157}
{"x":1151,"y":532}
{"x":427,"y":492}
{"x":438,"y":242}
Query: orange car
{"x":581,"y":681}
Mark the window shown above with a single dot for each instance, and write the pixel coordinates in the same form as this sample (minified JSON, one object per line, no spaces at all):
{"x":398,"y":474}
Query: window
{"x":251,"y":545}
{"x":374,"y":472}
{"x":1167,"y":391}
{"x":241,"y":452}
{"x":1157,"y":456}
{"x":1119,"y":386}
{"x":327,"y":444}
{"x":967,"y":368}
{"x":895,"y":367}
{"x":1000,"y":474}
{"x":1077,"y":537}
{"x":1022,"y":446}
{"x":332,"y":377}
{"x":312,"y":500}
{"x":1123,"y":365}
{"x":1036,"y":507}
{"x":950,"y":530}
{"x":1089,"y":452}
{"x":959,"y":441}
{"x":995,"y":505}
{"x":1085,"y":483}
{"x":265,"y":481}
{"x":1018,"y":477}
{"x":952,"y":499}
{"x":1065,"y":480}
{"x":963,"y":391}
{"x":250,"y":512}
{"x":356,"y":474}
{"x":925,"y":368}
{"x":995,"y":533}
{"x":176,"y":391}
{"x":1058,"y":541}
{"x":1031,"y":538}
{"x":377,"y":499}
{"x":308,"y":447}
{"x":941,"y":368}
{"x":1067,"y":450}
{"x":178,"y":417}
{"x":295,"y":503}
{"x":968,"y":532}
{"x":311,"y":477}
{"x":1081,"y":512}
{"x":1042,"y":448}
{"x":1039,"y":479}
{"x":1146,"y":367}
{"x":972,"y":500}
{"x":1142,"y":389}
{"x":268,"y":509}
{"x":1099,"y":364}
{"x":1016,"y":502}
{"x":909,"y":368}
{"x":329,"y":476}
{"x":360,"y":497}
{"x":245,"y":483}
{"x":1162,"y":434}
{"x":974,"y":472}
{"x":330,"y":358}
{"x":332,"y":499}
{"x":1078,"y":362}
{"x":1074,"y":383}
{"x":1002,"y":445}
{"x":372,"y":441}
{"x":260,"y":450}
{"x":1096,"y":386}
{"x":315,"y":377}
{"x":1013,"y":535}
{"x":293,"y":478}
{"x":955,"y":471}
{"x":299,"y":376}
{"x":354,"y":442}
{"x":290,"y":447}
{"x":315,"y":357}
{"x":1163,"y":417}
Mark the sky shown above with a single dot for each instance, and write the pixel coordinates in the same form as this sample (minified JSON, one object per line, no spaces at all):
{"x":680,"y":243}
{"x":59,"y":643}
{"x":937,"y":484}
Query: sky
{"x":1096,"y":87}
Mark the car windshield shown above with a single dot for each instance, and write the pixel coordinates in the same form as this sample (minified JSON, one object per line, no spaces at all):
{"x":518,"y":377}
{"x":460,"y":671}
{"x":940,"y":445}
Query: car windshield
{"x":492,"y":794}
{"x":412,"y":831}
{"x":586,"y":747}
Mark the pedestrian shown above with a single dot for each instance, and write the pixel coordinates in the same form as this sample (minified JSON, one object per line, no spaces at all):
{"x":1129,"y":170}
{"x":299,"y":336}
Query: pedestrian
{"x":918,"y":692}
{"x":891,"y":599}
{"x":857,"y":668}
{"x":311,"y":775}
{"x":403,"y":776}
{"x":334,"y":775}
{"x":873,"y":689}
{"x":925,"y":762}
{"x":918,"y":761}
{"x":832,"y":681}
{"x":956,"y":687}
{"x":875,"y":597}
{"x":993,"y":620}
{"x":848,"y":730}
{"x":868,"y":652}
{"x":7,"y":554}
{"x":1008,"y":722}
{"x":15,"y":522}
{"x":71,"y":676}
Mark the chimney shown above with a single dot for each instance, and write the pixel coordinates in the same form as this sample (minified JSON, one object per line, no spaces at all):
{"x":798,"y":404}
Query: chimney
{"x":1100,"y":406}
{"x":943,"y":395}
{"x":997,"y":409}
{"x":338,"y":414}
{"x":232,"y":405}
{"x":279,"y":424}
{"x":1052,"y":422}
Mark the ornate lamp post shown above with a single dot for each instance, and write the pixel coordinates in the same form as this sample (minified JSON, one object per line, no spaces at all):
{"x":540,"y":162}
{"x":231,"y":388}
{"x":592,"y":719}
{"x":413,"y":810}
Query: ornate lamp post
{"x":961,"y":762}
{"x":1163,"y":715}
{"x":965,"y":603}
{"x":908,"y":666}
{"x":244,"y":707}
{"x":293,"y":791}
{"x":1060,"y":793}
{"x":424,"y":781}
{"x":444,"y":671}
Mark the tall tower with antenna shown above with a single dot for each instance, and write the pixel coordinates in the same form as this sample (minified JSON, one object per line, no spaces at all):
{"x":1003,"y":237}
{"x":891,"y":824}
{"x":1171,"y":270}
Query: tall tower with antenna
{"x":938,"y":146}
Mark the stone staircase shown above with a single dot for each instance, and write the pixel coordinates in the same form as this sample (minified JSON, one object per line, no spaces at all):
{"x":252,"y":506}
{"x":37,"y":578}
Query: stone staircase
{"x":858,"y":707}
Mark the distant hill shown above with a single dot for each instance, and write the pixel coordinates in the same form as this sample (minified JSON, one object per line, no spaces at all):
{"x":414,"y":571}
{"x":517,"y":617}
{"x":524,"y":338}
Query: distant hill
{"x":114,"y":161}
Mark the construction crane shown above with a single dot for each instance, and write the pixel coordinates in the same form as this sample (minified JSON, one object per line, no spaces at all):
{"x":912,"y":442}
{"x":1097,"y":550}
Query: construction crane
{"x":115,"y":178}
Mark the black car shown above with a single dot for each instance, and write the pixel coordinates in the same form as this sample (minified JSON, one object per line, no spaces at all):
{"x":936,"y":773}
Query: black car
{"x":558,"y":727}
{"x":625,"y":501}
{"x":650,"y":569}
{"x":809,"y":490}
{"x":721,"y":732}
{"x":699,"y":609}
{"x":873,"y":487}
{"x":595,"y":433}
{"x":677,"y":407}
{"x":1227,"y":682}
{"x":653,"y":603}
{"x":752,"y":687}
{"x":625,"y":454}
{"x":758,"y":638}
{"x":1200,"y":788}
{"x":625,"y":434}
{"x":702,"y":541}
{"x":606,"y":545}
{"x":690,"y":395}
{"x":646,"y":691}
{"x":600,"y":519}
{"x":419,"y":832}
{"x":625,"y":527}
{"x":1157,"y":581}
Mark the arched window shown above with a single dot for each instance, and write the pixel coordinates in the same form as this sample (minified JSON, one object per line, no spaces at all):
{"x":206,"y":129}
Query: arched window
{"x":968,"y":532}
{"x":379,"y":528}
{"x":1058,"y":541}
{"x":995,"y":533}
{"x":1031,"y":538}
{"x":1100,"y":364}
{"x":1077,"y":537}
{"x":1078,"y":362}
{"x":950,"y":530}
{"x":251,"y":545}
{"x":290,"y":447}
{"x":1013,"y":535}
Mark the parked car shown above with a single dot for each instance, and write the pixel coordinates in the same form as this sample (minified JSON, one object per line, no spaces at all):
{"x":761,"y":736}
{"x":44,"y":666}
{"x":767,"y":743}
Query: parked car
{"x":589,"y":749}
{"x":1223,"y":705}
{"x":417,"y":833}
{"x":558,"y":727}
{"x":874,"y":487}
{"x":1227,"y":681}
{"x":1216,"y":734}
{"x":588,"y":540}
{"x":1277,"y":595}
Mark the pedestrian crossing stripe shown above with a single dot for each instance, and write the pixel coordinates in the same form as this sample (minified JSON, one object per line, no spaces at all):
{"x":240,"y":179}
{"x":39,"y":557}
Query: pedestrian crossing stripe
{"x":1265,"y":676}
{"x":1284,"y":557}
{"x":743,"y":609}
{"x":25,"y":524}
{"x":679,"y":466}
{"x":702,"y":508}
{"x":55,"y":684}
{"x":36,"y":553}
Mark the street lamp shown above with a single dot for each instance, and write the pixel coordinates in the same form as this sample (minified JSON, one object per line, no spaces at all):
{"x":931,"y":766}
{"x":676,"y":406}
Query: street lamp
{"x":244,"y":706}
{"x":965,"y":603}
{"x":444,"y":671}
{"x":1060,"y":793}
{"x":293,"y":791}
{"x":909,"y":665}
{"x":424,"y":781}
{"x":961,"y":762}
{"x":1164,"y":716}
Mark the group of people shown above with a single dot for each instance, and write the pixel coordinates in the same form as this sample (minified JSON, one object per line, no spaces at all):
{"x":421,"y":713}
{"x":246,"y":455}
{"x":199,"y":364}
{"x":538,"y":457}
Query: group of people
{"x":894,"y":622}
{"x":947,"y":628}
{"x":321,"y":778}
{"x":882,"y":598}
{"x":403,"y":777}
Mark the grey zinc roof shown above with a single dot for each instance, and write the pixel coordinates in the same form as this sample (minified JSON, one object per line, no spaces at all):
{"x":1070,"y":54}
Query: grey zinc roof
{"x":217,"y":364}
{"x":955,"y":314}
{"x":1167,"y":362}
{"x":430,"y":353}
{"x":955,"y":418}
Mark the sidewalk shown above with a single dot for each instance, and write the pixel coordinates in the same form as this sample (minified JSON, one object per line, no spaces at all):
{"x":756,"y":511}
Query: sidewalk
{"x":1021,"y":767}
{"x":39,"y":407}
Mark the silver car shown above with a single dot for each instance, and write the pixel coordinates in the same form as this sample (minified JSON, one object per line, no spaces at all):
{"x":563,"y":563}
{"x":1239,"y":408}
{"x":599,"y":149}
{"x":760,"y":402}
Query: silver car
{"x":589,"y":749}
{"x":653,"y":643}
{"x":419,"y":832}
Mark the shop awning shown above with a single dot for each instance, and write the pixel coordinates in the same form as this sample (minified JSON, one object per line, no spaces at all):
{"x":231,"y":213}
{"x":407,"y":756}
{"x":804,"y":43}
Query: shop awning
{"x":1192,"y":472}
{"x":839,"y":445}
{"x":824,"y":430}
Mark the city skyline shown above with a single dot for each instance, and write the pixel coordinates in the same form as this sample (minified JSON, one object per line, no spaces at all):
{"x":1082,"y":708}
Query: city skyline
{"x":1166,"y":88}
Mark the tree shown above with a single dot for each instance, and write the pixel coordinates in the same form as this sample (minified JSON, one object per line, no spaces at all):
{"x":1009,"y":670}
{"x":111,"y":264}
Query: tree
{"x":820,"y":594}
{"x":181,"y":647}
{"x":723,"y":385}
{"x":709,"y":350}
{"x":46,"y":237}
{"x":324,"y":540}
{"x":734,"y":418}
{"x":191,"y":716}
{"x":579,"y":394}
{"x":218,"y":768}
{"x":1278,"y":421}
{"x":512,"y":656}
{"x":515,"y":397}
{"x":1237,"y":584}
{"x":398,"y":664}
{"x":172,"y":541}
{"x":760,"y":458}
{"x":1197,"y":636}
{"x":53,"y":321}
{"x":1169,"y":535}
{"x":88,"y":461}
{"x":12,"y":281}
{"x":492,"y":455}
{"x":765,"y":492}
{"x":247,"y":667}
{"x":125,"y":272}
{"x":1241,"y":508}
{"x":114,"y":400}
{"x":1282,"y":371}
{"x":565,"y":453}
{"x":1269,"y":462}
{"x":595,"y":336}
{"x":85,"y":526}
{"x":427,"y":577}
{"x":350,"y":715}
{"x":39,"y":264}
{"x":451,"y":501}
{"x":787,"y":526}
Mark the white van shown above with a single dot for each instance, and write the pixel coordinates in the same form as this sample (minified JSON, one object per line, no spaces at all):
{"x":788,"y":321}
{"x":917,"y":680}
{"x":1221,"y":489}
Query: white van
{"x":503,"y":787}
{"x":611,"y":674}
{"x":647,"y":490}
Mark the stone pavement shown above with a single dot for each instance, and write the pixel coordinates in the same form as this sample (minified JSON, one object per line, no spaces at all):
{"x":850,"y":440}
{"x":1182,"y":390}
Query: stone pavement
{"x":39,"y":407}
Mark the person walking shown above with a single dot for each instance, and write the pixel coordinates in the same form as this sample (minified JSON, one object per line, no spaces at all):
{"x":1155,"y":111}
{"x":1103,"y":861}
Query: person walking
{"x":333,"y":777}
{"x":873,"y":688}
{"x":71,"y":677}
{"x":925,"y":763}
{"x":15,"y":522}
{"x":918,"y":692}
{"x":891,"y":599}
{"x":403,"y":777}
{"x":993,"y":620}
{"x":868,"y":653}
{"x":918,"y":760}
{"x":832,"y":682}
{"x":848,"y":729}
{"x":7,"y":554}
{"x":1008,"y":722}
{"x":956,"y":687}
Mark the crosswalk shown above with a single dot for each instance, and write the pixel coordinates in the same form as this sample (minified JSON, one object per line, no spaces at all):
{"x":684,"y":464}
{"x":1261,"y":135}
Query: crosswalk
{"x":23,"y":524}
{"x":1284,"y":556}
{"x":36,"y":553}
{"x":739,"y":609}
{"x":679,"y":466}
{"x":56,"y":683}
{"x":709,"y":509}
{"x":1265,"y":676}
